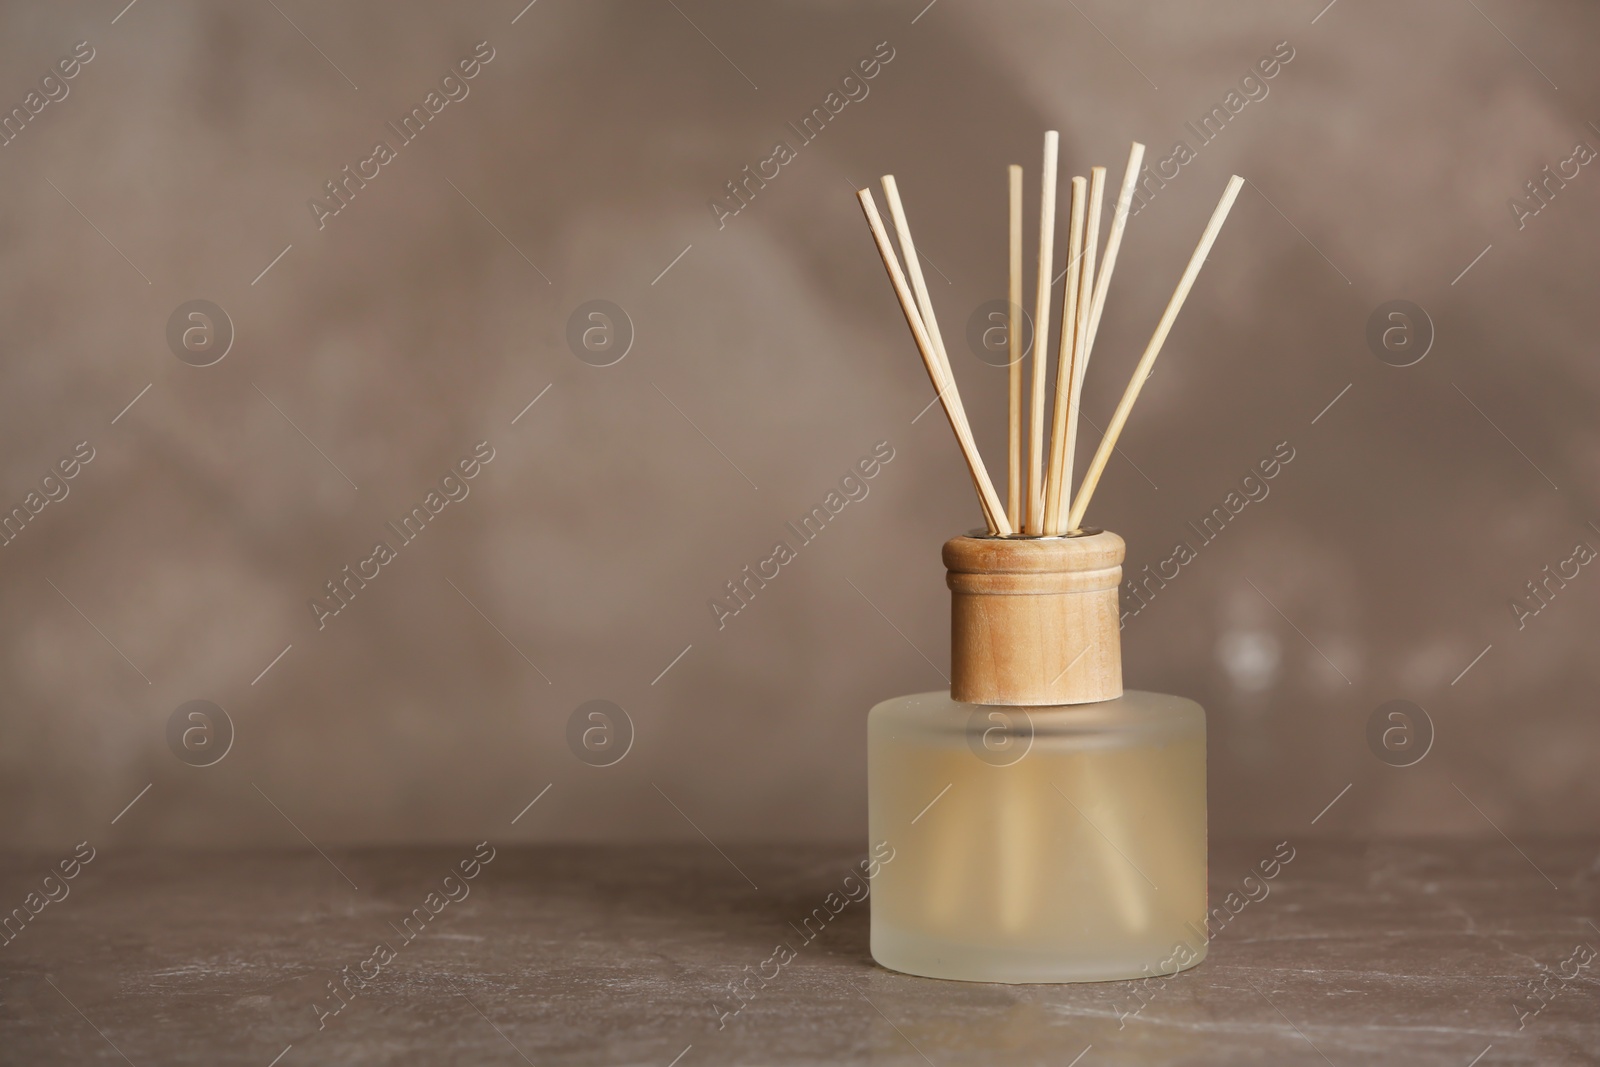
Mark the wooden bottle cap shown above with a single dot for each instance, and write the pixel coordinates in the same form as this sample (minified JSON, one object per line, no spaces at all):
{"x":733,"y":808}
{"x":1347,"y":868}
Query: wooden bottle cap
{"x":1035,"y":621}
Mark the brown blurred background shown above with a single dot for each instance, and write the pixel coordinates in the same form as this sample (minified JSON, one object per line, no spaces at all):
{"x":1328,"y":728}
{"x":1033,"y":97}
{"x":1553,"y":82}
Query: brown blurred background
{"x":426,"y":315}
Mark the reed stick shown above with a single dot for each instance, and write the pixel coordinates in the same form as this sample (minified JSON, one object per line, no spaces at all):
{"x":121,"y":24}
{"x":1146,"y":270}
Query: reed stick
{"x":1065,"y":360}
{"x":1034,"y":520}
{"x":1080,"y":351}
{"x":919,"y":288}
{"x":1119,"y":223}
{"x":1014,"y":351}
{"x":944,"y":385}
{"x":1119,"y":418}
{"x":919,"y":284}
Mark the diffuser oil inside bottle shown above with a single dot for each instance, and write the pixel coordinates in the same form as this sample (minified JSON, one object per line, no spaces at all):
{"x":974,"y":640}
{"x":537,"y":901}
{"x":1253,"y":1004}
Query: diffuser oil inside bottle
{"x":1043,"y":844}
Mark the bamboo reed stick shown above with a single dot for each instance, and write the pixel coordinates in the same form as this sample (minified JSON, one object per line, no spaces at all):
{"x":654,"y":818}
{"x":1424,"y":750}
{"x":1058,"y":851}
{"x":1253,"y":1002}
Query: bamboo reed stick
{"x":919,"y":287}
{"x":1014,"y":351}
{"x":1080,"y":351}
{"x":1119,"y":223}
{"x":1034,"y":521}
{"x":913,"y":268}
{"x":1065,"y":360}
{"x":1119,"y":418}
{"x":944,"y":385}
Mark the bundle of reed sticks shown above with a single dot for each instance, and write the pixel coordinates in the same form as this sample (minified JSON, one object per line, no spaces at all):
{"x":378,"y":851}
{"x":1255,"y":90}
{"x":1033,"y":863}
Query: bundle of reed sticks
{"x":1039,"y":502}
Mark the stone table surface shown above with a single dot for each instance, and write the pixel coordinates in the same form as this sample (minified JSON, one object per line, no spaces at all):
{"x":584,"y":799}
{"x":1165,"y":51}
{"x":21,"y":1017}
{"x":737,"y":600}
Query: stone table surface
{"x":1405,"y":952}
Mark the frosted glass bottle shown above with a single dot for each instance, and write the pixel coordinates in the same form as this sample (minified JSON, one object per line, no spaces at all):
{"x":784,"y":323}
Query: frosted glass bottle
{"x":1044,"y":844}
{"x":1047,"y":826}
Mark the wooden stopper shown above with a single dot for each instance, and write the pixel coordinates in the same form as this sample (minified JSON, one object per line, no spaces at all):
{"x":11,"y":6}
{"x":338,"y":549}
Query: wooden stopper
{"x":1035,"y":621}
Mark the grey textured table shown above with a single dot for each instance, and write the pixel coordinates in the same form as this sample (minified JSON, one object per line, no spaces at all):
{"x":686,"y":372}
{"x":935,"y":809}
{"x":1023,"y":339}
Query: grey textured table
{"x":1414,"y":953}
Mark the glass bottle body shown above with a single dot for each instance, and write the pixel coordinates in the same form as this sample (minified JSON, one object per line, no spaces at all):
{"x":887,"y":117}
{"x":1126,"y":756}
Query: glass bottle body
{"x":1039,"y":844}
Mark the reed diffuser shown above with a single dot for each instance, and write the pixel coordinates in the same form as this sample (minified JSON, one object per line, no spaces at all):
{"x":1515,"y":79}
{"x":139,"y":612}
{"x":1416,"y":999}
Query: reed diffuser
{"x":1049,"y":826}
